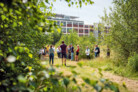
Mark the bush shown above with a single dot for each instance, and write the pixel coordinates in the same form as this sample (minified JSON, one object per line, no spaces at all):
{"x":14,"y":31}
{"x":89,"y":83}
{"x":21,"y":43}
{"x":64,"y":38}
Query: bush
{"x":133,"y":62}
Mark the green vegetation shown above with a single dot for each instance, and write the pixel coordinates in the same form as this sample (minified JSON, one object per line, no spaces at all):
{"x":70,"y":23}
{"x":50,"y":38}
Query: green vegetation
{"x":107,"y":64}
{"x":87,"y":78}
{"x":124,"y":30}
{"x":22,"y":34}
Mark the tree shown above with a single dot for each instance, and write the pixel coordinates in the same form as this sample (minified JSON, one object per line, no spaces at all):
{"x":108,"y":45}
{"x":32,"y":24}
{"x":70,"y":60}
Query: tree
{"x":124,"y":30}
{"x":22,"y":27}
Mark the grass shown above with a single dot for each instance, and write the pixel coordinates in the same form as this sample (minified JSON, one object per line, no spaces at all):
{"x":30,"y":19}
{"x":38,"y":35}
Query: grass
{"x":84,"y":69}
{"x":107,"y":64}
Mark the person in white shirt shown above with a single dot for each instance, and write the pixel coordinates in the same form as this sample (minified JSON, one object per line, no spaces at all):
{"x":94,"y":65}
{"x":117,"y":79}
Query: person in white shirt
{"x":53,"y":48}
{"x":41,"y":52}
{"x":58,"y":52}
{"x":87,"y":51}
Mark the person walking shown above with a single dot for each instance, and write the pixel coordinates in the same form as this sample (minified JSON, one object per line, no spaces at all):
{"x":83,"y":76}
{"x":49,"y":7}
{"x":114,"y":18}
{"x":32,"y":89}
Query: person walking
{"x":63,"y":51}
{"x":72,"y":52}
{"x":87,"y":51}
{"x":97,"y":51}
{"x":77,"y":53}
{"x":51,"y":55}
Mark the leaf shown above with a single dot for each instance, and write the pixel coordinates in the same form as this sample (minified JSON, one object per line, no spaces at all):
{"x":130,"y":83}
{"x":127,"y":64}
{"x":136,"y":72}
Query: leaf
{"x":3,"y":17}
{"x":1,"y":4}
{"x":20,"y":23}
{"x":66,"y":82}
{"x":69,"y":5}
{"x":74,"y":80}
{"x":21,"y":79}
{"x":91,"y":2}
{"x":30,"y":55}
{"x":40,"y":28}
{"x":59,"y":30}
{"x":14,"y":24}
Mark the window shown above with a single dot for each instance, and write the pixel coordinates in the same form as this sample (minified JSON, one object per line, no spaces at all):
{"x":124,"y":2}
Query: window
{"x":75,"y":24}
{"x":86,"y":26}
{"x":86,"y":30}
{"x":80,"y":24}
{"x":91,"y":30}
{"x":69,"y":24}
{"x":80,"y":30}
{"x":63,"y":23}
{"x":64,"y":30}
{"x":58,"y":22}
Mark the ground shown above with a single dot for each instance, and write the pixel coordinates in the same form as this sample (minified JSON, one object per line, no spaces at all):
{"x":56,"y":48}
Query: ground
{"x":92,"y":73}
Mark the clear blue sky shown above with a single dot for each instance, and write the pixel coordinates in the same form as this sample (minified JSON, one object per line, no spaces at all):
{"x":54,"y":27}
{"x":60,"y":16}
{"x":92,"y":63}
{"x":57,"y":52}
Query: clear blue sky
{"x":89,"y":14}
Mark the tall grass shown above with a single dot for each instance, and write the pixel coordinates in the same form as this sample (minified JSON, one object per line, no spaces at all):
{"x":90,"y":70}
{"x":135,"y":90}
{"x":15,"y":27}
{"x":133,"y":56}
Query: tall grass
{"x":108,"y":64}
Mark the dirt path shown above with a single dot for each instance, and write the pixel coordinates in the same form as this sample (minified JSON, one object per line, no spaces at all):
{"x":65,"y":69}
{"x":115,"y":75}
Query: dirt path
{"x":132,"y":85}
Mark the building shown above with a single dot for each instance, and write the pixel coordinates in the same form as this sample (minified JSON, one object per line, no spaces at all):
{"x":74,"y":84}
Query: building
{"x":70,"y":23}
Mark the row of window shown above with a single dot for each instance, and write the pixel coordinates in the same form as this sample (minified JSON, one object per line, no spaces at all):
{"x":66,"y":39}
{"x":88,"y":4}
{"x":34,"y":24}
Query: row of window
{"x":74,"y":24}
{"x":76,"y":30}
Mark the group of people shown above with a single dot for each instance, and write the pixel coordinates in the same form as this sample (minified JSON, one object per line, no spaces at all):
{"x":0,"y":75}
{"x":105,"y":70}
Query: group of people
{"x":67,"y":52}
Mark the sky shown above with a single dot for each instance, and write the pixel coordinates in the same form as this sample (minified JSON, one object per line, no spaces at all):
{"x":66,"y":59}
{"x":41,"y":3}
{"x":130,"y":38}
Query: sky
{"x":89,"y":14}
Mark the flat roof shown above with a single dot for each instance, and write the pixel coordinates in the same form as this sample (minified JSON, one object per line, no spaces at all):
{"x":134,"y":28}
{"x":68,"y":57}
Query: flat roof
{"x":62,"y":16}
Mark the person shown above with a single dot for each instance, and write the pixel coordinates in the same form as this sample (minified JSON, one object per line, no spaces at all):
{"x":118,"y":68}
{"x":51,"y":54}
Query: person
{"x":87,"y":51}
{"x":53,"y":48}
{"x":41,"y":51}
{"x":58,"y":52}
{"x":63,"y":51}
{"x":108,"y":51}
{"x":97,"y":51}
{"x":47,"y":49}
{"x":77,"y":53}
{"x":51,"y":55}
{"x":44,"y":50}
{"x":72,"y":52}
{"x":69,"y":52}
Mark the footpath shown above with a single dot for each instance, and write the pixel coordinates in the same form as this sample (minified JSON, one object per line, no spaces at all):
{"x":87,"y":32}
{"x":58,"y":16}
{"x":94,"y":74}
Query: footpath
{"x":87,"y":71}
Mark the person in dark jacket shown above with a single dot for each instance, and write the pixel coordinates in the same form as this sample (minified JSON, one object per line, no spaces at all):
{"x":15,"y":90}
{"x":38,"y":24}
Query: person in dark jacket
{"x":97,"y":51}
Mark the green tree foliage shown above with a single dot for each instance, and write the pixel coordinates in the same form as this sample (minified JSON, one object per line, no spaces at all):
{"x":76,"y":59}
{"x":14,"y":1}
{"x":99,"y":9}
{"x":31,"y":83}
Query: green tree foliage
{"x":133,"y":62}
{"x":55,"y":37}
{"x":123,"y":36}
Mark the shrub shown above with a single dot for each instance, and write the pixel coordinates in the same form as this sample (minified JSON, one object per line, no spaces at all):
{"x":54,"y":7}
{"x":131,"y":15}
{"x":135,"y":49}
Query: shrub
{"x":133,"y":62}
